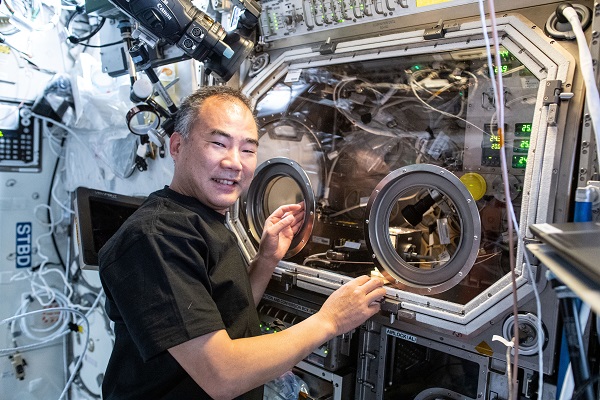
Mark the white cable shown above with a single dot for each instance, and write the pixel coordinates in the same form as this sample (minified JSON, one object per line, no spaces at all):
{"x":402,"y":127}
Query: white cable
{"x":499,"y":94}
{"x":440,"y":111}
{"x":66,"y":208}
{"x":40,"y":10}
{"x":27,"y":299}
{"x":94,"y":155}
{"x":52,"y":140}
{"x":87,"y":339}
{"x":586,"y":67}
{"x":345,"y":210}
{"x":43,"y":270}
{"x":61,"y":333}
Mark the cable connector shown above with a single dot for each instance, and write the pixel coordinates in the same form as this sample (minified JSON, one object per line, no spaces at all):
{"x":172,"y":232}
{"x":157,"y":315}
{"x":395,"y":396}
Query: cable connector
{"x":18,"y":363}
{"x":75,"y":328}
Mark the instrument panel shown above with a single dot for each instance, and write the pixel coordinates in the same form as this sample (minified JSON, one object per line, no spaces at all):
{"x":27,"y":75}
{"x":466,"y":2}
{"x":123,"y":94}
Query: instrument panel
{"x":394,"y":143}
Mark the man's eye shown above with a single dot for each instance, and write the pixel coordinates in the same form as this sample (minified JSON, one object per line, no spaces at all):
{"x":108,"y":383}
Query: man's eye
{"x":218,"y":144}
{"x":249,"y":151}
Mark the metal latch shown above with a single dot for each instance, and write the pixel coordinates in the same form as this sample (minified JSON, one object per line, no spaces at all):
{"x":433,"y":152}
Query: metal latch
{"x":435,"y":32}
{"x":328,"y":47}
{"x":439,"y":30}
{"x":553,"y":94}
{"x":289,"y":279}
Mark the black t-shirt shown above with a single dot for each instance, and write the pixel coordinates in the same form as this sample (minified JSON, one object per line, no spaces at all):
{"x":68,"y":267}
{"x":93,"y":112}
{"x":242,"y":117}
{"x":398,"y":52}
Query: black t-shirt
{"x":173,"y":272}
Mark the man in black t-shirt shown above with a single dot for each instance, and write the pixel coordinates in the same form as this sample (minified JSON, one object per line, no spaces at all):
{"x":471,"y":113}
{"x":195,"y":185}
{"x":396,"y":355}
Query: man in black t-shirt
{"x":181,"y":297}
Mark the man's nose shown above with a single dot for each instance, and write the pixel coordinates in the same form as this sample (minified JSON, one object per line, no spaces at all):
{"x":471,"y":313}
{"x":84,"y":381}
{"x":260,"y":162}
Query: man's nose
{"x":233,"y":159}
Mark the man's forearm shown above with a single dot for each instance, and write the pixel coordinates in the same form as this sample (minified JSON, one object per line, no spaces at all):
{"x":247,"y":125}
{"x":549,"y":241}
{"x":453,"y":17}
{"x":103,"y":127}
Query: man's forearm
{"x":226,"y":368}
{"x":260,"y":273}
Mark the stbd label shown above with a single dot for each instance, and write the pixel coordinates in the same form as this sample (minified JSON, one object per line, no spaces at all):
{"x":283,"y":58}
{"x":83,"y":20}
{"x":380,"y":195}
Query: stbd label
{"x":23,"y":245}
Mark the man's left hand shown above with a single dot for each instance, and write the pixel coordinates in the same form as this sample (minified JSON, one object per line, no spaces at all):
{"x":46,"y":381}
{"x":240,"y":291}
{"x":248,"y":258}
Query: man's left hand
{"x":279,"y":230}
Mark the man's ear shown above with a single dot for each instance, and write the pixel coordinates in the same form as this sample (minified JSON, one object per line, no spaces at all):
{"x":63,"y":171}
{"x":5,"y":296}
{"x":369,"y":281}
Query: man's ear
{"x":175,"y":144}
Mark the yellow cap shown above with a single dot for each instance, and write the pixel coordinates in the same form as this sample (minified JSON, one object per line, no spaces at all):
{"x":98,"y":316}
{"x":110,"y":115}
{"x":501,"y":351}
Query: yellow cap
{"x":475,"y":184}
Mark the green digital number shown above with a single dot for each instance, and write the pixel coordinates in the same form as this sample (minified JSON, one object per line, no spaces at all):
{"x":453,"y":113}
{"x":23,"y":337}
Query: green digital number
{"x":519,"y":162}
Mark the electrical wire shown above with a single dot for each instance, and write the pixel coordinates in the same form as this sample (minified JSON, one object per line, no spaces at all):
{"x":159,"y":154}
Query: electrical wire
{"x":447,"y":114}
{"x":34,"y":15}
{"x":51,"y":195}
{"x":497,"y":86}
{"x":343,"y":107}
{"x":100,"y":46}
{"x":354,"y":207}
{"x":53,"y":141}
{"x":75,"y":39}
{"x":97,"y":156}
{"x":83,"y":352}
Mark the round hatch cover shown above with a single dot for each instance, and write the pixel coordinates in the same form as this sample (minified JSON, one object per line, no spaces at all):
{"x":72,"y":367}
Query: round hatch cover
{"x":423,"y":228}
{"x":279,"y":181}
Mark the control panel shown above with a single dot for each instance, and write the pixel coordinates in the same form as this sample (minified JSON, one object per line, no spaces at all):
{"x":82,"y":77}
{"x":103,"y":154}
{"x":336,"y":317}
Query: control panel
{"x":19,"y":139}
{"x":483,"y":141}
{"x":282,"y":19}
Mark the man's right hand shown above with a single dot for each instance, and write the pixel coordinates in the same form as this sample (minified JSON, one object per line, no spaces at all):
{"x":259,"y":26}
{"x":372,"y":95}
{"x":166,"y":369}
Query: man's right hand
{"x":352,"y":304}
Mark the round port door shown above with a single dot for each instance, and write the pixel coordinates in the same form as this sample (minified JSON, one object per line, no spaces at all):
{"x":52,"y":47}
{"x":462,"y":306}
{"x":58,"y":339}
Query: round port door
{"x":279,"y":181}
{"x":422,"y":229}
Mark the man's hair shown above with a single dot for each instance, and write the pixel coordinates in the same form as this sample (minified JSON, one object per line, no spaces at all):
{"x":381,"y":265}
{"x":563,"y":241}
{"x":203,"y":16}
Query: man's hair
{"x":187,"y":115}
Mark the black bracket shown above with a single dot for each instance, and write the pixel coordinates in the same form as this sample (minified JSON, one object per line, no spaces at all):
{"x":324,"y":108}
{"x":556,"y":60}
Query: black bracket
{"x":436,"y":32}
{"x":328,"y":47}
{"x":552,"y":92}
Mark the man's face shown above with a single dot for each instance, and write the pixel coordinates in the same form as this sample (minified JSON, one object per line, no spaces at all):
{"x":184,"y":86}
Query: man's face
{"x":216,"y":163}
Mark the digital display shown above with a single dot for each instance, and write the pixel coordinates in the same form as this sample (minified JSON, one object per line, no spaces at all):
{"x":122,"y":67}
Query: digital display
{"x":523,"y":129}
{"x":492,"y":139}
{"x":519,"y":161}
{"x":9,"y":133}
{"x":521,"y":146}
{"x":503,"y":68}
{"x":9,"y":121}
{"x":493,"y":142}
{"x":490,"y":151}
{"x":490,"y":158}
{"x":505,"y":55}
{"x":490,"y":146}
